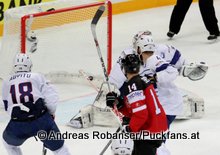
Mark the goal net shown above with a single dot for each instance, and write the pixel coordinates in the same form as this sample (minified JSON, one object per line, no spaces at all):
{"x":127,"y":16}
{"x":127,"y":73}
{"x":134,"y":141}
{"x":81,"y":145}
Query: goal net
{"x":63,"y":49}
{"x":64,"y":43}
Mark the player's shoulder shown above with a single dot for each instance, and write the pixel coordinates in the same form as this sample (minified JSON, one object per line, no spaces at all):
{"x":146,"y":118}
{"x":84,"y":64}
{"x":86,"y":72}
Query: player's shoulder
{"x":38,"y":76}
{"x":155,"y":59}
{"x":165,"y":48}
{"x":141,"y":82}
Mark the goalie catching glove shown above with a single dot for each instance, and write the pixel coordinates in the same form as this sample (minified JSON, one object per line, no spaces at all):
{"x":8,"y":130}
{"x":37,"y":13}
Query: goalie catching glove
{"x":194,"y":71}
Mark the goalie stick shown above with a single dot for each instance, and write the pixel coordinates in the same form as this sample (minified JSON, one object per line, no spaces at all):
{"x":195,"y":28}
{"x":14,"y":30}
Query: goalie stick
{"x":94,"y":22}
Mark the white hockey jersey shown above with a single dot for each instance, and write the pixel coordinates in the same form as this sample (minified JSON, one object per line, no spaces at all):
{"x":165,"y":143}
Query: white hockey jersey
{"x":171,"y":55}
{"x":168,"y":93}
{"x":28,"y":87}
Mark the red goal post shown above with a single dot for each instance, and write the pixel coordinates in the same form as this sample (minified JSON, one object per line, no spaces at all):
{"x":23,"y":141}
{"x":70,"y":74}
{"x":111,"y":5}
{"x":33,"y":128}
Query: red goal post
{"x":42,"y":21}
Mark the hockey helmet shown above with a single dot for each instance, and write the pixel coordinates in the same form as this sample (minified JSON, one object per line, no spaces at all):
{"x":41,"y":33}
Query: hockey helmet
{"x":122,"y":146}
{"x":124,"y":53}
{"x":131,"y":63}
{"x":22,"y":63}
{"x":139,"y":34}
{"x":144,"y":43}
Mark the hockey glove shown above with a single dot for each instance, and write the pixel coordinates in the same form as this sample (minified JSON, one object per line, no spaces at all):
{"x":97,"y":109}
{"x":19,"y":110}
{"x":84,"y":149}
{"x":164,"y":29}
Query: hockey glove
{"x":125,"y":120}
{"x":111,"y":97}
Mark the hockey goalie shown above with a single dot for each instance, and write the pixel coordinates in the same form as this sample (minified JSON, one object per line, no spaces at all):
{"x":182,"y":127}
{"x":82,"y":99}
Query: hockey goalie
{"x":166,"y":63}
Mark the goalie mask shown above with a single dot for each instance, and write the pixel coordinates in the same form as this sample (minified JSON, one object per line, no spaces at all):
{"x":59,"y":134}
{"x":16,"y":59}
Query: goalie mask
{"x":22,"y":63}
{"x":131,"y":64}
{"x":144,"y":44}
{"x":122,"y":146}
{"x":140,"y":34}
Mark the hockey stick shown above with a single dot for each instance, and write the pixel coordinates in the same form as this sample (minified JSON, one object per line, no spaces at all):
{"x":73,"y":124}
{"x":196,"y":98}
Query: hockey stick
{"x":93,"y":28}
{"x":109,"y":143}
{"x":94,"y":22}
{"x":88,"y":78}
{"x":44,"y":150}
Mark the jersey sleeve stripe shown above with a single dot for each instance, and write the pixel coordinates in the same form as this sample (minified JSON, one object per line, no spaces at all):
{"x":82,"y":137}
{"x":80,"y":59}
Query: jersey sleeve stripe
{"x":176,"y":57}
{"x":162,"y":67}
{"x":139,"y":108}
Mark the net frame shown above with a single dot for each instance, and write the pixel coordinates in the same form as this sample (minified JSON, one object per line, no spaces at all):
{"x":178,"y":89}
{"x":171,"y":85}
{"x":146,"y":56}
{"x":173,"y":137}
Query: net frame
{"x":25,"y":19}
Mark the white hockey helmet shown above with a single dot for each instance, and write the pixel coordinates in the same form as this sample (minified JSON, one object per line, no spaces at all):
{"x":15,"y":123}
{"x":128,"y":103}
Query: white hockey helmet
{"x":22,"y":63}
{"x":31,"y":36}
{"x":139,"y":34}
{"x":122,"y":146}
{"x":144,"y":43}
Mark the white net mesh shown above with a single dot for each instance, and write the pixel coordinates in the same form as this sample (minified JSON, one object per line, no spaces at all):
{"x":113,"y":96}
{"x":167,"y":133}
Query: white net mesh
{"x":65,"y":42}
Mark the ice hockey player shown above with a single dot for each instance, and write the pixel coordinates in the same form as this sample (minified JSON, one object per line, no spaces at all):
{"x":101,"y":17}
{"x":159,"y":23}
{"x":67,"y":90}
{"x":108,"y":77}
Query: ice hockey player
{"x":141,"y":105}
{"x":155,"y":68}
{"x":194,"y":71}
{"x":122,"y":146}
{"x":31,"y":103}
{"x":169,"y":55}
{"x":159,"y":72}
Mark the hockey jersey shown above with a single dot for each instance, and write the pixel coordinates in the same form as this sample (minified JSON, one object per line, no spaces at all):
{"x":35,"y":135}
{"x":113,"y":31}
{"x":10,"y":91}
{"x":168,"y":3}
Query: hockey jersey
{"x":142,"y":106}
{"x":169,"y":95}
{"x":171,"y":55}
{"x":27,"y":87}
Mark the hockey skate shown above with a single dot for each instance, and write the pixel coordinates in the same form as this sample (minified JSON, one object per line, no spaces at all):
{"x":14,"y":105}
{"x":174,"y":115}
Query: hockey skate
{"x":213,"y":36}
{"x":170,"y":34}
{"x":76,"y":122}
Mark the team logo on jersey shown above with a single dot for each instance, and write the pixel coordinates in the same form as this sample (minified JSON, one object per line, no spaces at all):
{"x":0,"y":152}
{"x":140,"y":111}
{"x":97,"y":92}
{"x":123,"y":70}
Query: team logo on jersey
{"x":135,"y":96}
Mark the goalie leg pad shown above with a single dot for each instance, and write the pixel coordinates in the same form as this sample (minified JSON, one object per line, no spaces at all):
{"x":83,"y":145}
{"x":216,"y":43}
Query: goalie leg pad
{"x":193,"y":106}
{"x":85,"y":118}
{"x":197,"y":107}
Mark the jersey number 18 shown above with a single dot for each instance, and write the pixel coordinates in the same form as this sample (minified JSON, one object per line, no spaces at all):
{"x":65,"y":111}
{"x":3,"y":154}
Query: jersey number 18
{"x":25,"y":92}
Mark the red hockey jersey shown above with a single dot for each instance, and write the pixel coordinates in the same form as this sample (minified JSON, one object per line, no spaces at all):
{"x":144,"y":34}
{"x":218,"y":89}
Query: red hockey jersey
{"x":142,"y":106}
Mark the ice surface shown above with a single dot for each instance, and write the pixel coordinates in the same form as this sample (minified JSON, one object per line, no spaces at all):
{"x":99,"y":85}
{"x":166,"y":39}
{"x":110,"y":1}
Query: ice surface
{"x":192,"y":42}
